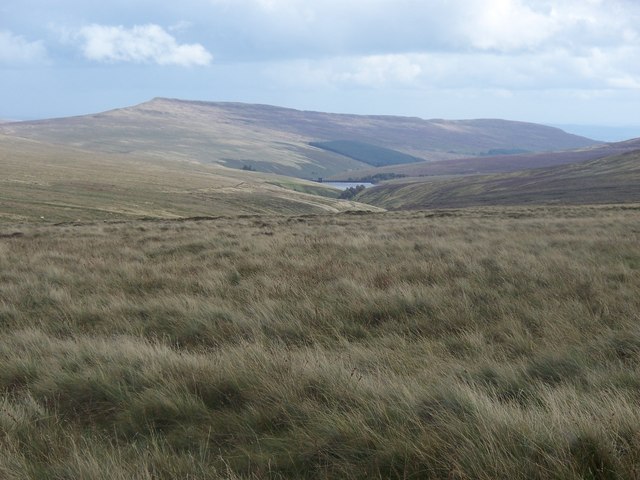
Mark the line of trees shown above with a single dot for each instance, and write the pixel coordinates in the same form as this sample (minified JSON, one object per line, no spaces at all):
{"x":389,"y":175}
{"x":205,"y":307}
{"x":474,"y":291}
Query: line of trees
{"x":351,"y":192}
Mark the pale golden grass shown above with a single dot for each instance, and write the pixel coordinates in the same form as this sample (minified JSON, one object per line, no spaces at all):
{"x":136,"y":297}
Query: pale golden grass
{"x":44,"y":183}
{"x":477,"y":344}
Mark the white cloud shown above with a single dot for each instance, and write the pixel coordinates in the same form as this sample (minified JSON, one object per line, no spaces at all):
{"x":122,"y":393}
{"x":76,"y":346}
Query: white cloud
{"x":561,"y":69}
{"x":140,"y":44}
{"x":505,"y":25}
{"x":400,"y":26}
{"x":264,"y":30}
{"x":381,"y":70}
{"x":15,"y":49}
{"x":372,"y":71}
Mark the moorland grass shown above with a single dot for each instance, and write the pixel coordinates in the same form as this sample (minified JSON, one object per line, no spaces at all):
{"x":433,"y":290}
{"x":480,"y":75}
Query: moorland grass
{"x":470,"y":344}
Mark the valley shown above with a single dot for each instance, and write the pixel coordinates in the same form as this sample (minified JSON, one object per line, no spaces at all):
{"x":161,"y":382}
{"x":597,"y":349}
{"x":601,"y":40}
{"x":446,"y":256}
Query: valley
{"x":178,"y":298}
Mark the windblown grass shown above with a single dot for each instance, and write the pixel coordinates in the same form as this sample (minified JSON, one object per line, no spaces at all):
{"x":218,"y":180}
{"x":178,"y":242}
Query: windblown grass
{"x":477,"y":344}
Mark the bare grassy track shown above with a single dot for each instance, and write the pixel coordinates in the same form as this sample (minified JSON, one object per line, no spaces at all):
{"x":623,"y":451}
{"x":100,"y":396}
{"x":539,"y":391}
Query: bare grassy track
{"x":461,"y":344}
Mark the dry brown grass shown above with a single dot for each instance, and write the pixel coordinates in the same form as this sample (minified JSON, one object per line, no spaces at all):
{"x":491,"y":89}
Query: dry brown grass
{"x":471,"y":344}
{"x":41,"y":183}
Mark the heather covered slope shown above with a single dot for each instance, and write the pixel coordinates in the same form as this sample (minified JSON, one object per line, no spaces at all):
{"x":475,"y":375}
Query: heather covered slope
{"x":492,"y":163}
{"x":40,"y":181}
{"x":275,"y":139}
{"x":607,"y":180}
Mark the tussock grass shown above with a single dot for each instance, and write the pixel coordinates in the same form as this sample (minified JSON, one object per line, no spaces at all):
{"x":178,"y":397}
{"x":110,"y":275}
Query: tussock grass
{"x":475,"y":344}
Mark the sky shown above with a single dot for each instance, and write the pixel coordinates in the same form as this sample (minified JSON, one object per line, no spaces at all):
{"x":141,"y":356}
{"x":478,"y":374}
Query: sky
{"x":561,"y":62}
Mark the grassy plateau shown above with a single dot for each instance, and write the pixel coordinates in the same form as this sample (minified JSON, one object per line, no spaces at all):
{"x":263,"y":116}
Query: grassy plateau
{"x":486,"y":343}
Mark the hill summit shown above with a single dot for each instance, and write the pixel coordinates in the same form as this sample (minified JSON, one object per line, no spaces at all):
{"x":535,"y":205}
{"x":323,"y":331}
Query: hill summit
{"x":287,"y":141}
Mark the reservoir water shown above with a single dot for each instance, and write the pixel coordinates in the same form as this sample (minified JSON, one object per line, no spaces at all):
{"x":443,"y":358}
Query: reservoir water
{"x":345,"y":185}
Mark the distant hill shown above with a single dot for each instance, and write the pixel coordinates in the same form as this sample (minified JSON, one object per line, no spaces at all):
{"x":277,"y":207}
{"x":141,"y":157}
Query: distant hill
{"x":613,"y":179}
{"x":53,"y":183}
{"x":274,"y":139}
{"x":491,"y":164}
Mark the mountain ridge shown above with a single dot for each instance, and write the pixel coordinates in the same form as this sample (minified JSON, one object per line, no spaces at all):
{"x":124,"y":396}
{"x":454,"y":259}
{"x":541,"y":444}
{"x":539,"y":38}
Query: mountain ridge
{"x":277,"y":139}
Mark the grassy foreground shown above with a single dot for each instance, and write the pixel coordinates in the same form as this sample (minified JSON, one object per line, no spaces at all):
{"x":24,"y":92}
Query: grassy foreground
{"x":471,"y":344}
